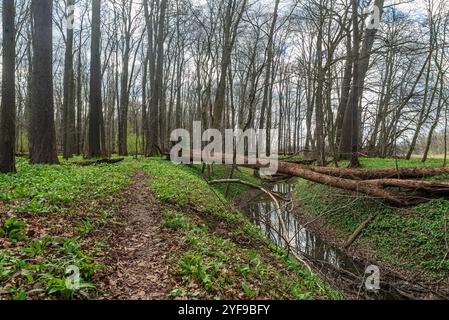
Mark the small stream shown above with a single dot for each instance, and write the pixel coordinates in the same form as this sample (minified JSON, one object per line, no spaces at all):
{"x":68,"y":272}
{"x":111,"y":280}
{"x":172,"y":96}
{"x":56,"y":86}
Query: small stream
{"x":332,"y":264}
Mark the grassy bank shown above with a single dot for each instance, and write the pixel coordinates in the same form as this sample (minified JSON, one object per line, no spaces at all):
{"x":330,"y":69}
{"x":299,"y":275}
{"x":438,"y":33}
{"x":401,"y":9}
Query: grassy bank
{"x":412,"y":239}
{"x":226,"y":256}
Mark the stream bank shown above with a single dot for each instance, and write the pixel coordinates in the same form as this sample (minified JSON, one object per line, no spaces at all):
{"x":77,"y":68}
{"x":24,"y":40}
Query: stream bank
{"x":323,"y":249}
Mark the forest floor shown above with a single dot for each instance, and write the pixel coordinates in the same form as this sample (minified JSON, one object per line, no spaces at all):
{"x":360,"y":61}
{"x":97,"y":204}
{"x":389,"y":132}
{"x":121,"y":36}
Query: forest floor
{"x":147,"y":229}
{"x":141,"y":229}
{"x":412,"y":242}
{"x":138,"y":265}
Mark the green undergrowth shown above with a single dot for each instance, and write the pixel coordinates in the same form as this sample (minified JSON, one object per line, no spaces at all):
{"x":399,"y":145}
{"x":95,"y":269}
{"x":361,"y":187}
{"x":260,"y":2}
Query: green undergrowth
{"x":414,"y":239}
{"x":47,"y":217}
{"x":378,"y":163}
{"x":52,"y":219}
{"x":225,"y":257}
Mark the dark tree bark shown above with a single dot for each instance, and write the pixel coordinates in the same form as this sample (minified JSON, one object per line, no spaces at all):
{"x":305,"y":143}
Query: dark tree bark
{"x":350,"y":135}
{"x":42,"y":135}
{"x":145,"y":125}
{"x":319,"y":112}
{"x":69,"y":130}
{"x":8,"y":107}
{"x":159,"y":91}
{"x":124,"y":94}
{"x":179,"y":69}
{"x":345,"y":90}
{"x":95,"y":113}
{"x":152,"y":140}
{"x":79,"y":102}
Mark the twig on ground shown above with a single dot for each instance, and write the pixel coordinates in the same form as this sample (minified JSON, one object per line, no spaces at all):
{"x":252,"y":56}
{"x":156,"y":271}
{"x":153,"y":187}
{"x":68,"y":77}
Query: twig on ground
{"x":358,"y":231}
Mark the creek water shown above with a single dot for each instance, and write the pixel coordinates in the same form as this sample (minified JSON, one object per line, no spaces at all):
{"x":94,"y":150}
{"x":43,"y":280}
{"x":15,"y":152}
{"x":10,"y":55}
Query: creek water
{"x":333,"y":265}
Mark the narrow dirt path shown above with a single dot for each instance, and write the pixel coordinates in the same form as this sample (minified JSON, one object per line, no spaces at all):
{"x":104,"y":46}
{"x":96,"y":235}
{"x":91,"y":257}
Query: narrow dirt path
{"x":139,"y":268}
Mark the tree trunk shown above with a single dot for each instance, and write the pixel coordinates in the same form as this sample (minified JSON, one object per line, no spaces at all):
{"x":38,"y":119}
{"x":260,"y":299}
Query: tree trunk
{"x":319,"y":113}
{"x":95,"y":114}
{"x":230,"y":34}
{"x":68,"y":108}
{"x":8,"y":107}
{"x":351,"y":135}
{"x":42,"y":135}
{"x":269,"y":66}
{"x":79,"y":101}
{"x":373,"y":174}
{"x":159,"y":82}
{"x":345,"y":91}
{"x":124,"y":87}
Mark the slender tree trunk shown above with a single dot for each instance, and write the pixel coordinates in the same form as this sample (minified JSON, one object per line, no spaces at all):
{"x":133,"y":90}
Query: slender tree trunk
{"x":319,"y":114}
{"x":269,"y":66}
{"x":345,"y":91}
{"x":145,"y":125}
{"x":69,"y":133}
{"x":95,"y":114}
{"x":8,"y":107}
{"x":124,"y":95}
{"x":159,"y":82}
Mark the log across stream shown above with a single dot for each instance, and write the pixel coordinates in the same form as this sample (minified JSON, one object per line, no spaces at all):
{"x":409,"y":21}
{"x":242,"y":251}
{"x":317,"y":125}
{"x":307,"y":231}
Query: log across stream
{"x":333,"y":265}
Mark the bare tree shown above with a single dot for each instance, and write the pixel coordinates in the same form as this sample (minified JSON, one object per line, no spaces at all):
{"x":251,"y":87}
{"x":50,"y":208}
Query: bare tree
{"x":351,"y":135}
{"x":232,"y":20}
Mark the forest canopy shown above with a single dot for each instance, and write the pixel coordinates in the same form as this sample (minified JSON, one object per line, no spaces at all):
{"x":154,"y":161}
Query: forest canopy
{"x":127,"y":73}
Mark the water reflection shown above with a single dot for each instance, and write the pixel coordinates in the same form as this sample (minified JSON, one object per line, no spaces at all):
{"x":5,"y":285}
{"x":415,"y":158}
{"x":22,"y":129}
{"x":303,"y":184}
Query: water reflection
{"x":263,"y":213}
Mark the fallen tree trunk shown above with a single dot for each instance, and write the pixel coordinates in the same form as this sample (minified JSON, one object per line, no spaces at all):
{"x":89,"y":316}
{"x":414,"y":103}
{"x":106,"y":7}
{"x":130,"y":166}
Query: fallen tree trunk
{"x":372,"y":188}
{"x":369,"y":182}
{"x":303,"y":162}
{"x":94,"y":162}
{"x":371,"y":174}
{"x":437,"y":186}
{"x":345,"y":184}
